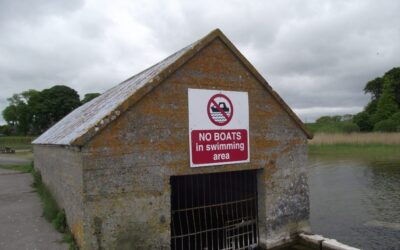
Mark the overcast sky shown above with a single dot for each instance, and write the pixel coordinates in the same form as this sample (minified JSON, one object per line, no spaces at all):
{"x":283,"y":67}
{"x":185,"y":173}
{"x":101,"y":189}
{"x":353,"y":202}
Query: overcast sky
{"x":317,"y":55}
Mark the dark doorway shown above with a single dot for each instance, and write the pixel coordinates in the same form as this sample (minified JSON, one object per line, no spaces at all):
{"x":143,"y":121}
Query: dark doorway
{"x":214,"y":211}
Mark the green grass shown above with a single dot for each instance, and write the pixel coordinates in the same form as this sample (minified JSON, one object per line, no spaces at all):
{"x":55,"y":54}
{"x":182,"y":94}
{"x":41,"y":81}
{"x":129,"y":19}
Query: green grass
{"x":333,"y":127}
{"x":323,"y":128}
{"x":50,"y":207}
{"x":25,"y":168}
{"x":51,"y":211}
{"x":16,"y":142}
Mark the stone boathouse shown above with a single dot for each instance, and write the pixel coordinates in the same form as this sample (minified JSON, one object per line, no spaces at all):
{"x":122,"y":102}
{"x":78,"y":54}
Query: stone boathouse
{"x":195,"y":152}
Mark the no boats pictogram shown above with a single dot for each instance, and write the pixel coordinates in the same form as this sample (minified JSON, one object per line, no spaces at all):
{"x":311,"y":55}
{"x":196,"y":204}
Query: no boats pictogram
{"x":220,"y":109}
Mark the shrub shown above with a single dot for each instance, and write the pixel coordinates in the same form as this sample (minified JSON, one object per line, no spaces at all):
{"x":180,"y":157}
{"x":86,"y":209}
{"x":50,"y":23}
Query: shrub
{"x":396,"y":118}
{"x":69,"y":238}
{"x":363,"y":120}
{"x":59,"y":222}
{"x":329,"y":128}
{"x":387,"y":125}
{"x":37,"y":178}
{"x":333,"y":127}
{"x":50,"y":208}
{"x":349,"y":127}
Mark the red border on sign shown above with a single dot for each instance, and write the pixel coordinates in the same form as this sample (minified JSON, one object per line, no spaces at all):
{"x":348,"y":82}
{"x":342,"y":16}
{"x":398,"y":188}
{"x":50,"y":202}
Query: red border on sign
{"x":212,"y":101}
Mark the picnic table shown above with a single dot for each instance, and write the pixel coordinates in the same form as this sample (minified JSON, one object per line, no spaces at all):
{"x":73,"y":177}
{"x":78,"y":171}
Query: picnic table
{"x":7,"y":150}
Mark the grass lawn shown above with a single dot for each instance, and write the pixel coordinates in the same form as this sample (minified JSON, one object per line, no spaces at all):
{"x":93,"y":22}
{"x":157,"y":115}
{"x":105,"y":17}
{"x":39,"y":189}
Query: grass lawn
{"x":24,"y":168}
{"x":17,"y":142}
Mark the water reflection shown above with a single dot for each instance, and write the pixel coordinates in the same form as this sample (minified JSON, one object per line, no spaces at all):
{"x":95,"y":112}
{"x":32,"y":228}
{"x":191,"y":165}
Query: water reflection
{"x":356,"y":201}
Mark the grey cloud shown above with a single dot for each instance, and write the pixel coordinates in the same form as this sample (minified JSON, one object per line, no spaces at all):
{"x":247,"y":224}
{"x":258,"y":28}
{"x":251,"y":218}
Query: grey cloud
{"x":31,"y":12}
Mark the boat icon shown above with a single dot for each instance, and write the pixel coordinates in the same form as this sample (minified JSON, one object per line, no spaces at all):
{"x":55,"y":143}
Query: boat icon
{"x":222,"y":105}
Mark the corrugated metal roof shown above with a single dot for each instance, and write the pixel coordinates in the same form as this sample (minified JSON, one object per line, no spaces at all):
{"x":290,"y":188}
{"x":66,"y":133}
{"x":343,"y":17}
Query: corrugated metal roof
{"x":87,"y":116}
{"x":84,"y":122}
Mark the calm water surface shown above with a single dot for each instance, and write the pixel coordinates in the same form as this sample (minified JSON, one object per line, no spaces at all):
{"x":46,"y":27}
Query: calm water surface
{"x":356,"y":201}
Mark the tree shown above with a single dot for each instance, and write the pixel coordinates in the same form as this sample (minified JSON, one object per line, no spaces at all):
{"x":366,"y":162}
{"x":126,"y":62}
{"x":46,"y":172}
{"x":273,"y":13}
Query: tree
{"x":387,"y":125}
{"x":385,"y":101}
{"x":89,"y":96}
{"x":329,"y":119}
{"x":387,"y":105}
{"x":33,"y":112}
{"x":18,"y":113}
{"x":5,"y":130}
{"x":51,"y":105}
{"x":393,"y":76}
{"x":348,"y":127}
{"x":10,"y":115}
{"x":396,"y":118}
{"x":324,"y":119}
{"x":374,"y":88}
{"x":363,"y":120}
{"x":371,"y":107}
{"x":347,"y":118}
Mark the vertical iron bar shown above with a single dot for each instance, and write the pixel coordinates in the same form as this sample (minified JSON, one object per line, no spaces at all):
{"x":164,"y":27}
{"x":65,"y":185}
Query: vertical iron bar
{"x":210,"y":208}
{"x":245,"y":211}
{"x":216,"y":195}
{"x":250,"y":186}
{"x":242,"y":181}
{"x":186,"y":206}
{"x":173,"y":198}
{"x":226,"y":188}
{"x":179,"y":213}
{"x":205,"y":209}
{"x":217,"y":210}
{"x":228,"y":209}
{"x":197,"y":184}
{"x":222,"y":210}
{"x":192,"y":178}
{"x":256,"y":204}
{"x":235,"y":191}
{"x":251,"y":235}
{"x":248,"y":211}
{"x":232,"y":204}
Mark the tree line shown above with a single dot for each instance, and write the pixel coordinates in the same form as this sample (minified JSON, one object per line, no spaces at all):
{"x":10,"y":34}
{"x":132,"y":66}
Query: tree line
{"x":381,"y":114}
{"x":32,"y":112}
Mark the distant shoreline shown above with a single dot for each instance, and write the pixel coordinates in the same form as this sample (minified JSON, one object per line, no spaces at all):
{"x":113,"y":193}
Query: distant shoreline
{"x":362,"y":139}
{"x":379,"y":146}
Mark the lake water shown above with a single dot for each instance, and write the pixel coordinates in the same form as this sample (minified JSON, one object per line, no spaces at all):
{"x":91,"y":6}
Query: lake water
{"x":356,"y":201}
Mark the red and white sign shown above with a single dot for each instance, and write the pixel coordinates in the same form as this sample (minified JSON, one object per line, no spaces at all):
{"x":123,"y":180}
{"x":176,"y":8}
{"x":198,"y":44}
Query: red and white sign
{"x":218,"y":127}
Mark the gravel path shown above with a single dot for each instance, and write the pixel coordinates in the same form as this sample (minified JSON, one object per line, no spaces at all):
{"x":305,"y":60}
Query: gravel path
{"x":14,"y":159}
{"x":21,"y":224}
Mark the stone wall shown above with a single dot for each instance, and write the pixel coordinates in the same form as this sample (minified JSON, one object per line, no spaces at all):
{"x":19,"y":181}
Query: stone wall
{"x":61,"y":170}
{"x":126,"y":168}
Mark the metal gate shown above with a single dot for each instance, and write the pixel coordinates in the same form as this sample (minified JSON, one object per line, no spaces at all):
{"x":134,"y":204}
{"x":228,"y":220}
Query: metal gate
{"x":214,"y":211}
